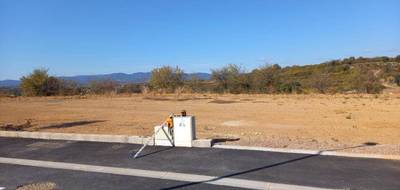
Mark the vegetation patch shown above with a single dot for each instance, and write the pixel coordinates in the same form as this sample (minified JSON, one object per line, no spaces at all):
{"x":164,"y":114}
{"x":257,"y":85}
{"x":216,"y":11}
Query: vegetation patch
{"x":348,"y":76}
{"x":38,"y":186}
{"x":222,"y":102}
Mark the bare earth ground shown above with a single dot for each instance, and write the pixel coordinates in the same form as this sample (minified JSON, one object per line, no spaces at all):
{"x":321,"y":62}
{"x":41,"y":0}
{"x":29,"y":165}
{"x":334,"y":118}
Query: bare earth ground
{"x":343,"y":122}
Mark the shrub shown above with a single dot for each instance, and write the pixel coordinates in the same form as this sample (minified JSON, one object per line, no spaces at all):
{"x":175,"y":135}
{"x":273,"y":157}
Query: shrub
{"x":166,"y":78}
{"x":292,"y":87}
{"x":131,"y":88}
{"x":263,"y":78}
{"x":35,"y":83}
{"x":231,"y":79}
{"x":321,"y":82}
{"x":397,"y":80}
{"x":103,"y":86}
{"x":367,"y":82}
{"x":69,"y":88}
{"x":193,"y":84}
{"x":52,"y":86}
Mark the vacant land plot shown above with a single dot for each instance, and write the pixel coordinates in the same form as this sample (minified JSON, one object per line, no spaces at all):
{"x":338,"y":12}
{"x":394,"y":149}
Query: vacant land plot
{"x":356,"y":123}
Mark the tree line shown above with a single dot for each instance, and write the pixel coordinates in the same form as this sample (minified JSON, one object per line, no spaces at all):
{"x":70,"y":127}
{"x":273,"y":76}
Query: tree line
{"x":349,"y":75}
{"x":40,"y":83}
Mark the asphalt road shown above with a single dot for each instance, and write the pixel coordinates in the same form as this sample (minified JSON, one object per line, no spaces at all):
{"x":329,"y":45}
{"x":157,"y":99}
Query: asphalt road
{"x":295,"y":169}
{"x":23,"y":175}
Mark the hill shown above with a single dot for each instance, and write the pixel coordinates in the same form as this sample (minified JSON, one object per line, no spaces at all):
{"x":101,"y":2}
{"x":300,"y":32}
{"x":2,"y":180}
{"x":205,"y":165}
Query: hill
{"x":9,"y":83}
{"x":349,"y":75}
{"x":368,"y":75}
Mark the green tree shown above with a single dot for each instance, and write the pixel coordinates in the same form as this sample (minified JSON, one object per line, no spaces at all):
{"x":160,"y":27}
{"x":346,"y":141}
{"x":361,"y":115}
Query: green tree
{"x":166,"y":78}
{"x":39,"y":83}
{"x":229,"y":78}
{"x":35,"y":83}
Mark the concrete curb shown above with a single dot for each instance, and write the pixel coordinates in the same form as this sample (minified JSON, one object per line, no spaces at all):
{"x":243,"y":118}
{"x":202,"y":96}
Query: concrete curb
{"x":314,"y":152}
{"x":203,"y":143}
{"x":74,"y":137}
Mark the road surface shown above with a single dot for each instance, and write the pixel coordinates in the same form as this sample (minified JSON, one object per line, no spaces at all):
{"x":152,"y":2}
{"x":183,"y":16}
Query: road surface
{"x":95,"y":165}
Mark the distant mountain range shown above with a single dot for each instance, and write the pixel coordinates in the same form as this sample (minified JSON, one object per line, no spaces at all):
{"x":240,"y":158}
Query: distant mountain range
{"x":138,"y":77}
{"x":9,"y":83}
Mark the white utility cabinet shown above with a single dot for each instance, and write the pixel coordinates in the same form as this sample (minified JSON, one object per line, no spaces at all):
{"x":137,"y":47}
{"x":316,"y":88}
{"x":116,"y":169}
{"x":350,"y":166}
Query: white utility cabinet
{"x":163,"y":138}
{"x":184,"y":130}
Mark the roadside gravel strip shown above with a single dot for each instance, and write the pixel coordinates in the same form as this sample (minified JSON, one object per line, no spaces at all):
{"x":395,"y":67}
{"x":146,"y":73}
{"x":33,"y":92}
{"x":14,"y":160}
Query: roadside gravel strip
{"x":193,"y":178}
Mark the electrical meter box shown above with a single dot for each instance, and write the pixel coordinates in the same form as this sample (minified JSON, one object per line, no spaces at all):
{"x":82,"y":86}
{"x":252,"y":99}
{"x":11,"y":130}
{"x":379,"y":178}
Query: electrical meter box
{"x":184,"y":130}
{"x":163,"y":137}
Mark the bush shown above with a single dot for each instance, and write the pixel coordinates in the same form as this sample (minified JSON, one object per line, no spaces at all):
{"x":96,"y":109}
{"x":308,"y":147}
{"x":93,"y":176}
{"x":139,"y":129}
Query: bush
{"x":321,"y":82}
{"x":69,"y":88}
{"x":193,"y":84}
{"x":292,"y":87}
{"x":397,"y":80}
{"x":131,"y":88}
{"x":35,"y":84}
{"x":231,"y":79}
{"x":367,"y":82}
{"x":39,"y":83}
{"x":263,"y":78}
{"x":103,"y":86}
{"x":52,"y":86}
{"x":373,"y":87}
{"x":166,"y":78}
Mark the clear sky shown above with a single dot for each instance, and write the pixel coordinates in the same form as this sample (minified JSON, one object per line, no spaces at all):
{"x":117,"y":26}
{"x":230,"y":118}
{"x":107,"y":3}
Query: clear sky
{"x":74,"y":37}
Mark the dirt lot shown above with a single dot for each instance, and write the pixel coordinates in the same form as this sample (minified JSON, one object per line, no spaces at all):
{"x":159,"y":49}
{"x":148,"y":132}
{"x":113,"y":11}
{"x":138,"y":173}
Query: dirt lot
{"x":343,"y":122}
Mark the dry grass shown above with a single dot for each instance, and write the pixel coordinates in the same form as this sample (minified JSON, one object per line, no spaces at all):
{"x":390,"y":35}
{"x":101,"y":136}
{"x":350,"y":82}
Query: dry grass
{"x":293,"y":121}
{"x":38,"y":186}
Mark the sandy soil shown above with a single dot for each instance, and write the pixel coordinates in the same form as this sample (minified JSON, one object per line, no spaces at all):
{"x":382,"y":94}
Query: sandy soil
{"x":343,"y":122}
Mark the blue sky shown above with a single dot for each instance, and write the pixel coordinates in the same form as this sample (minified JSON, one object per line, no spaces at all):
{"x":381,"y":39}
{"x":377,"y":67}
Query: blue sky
{"x":74,"y":37}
